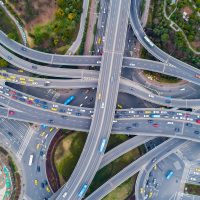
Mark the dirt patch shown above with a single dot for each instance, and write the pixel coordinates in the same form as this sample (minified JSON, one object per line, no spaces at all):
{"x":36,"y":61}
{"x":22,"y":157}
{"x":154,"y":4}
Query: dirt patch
{"x":66,"y":145}
{"x":34,"y":12}
{"x":188,"y":10}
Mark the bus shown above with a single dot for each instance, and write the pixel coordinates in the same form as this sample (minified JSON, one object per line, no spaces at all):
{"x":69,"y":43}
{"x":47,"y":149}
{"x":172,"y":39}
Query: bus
{"x":99,"y":40}
{"x":154,"y":116}
{"x":103,"y":145}
{"x":169,"y":174}
{"x":69,"y":100}
{"x":30,"y":160}
{"x":148,"y":41}
{"x":83,"y":190}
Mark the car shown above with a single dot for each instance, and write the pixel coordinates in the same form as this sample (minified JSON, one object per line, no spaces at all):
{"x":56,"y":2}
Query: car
{"x":9,"y":58}
{"x":150,"y":121}
{"x":98,"y":62}
{"x":167,"y":101}
{"x":37,"y":146}
{"x":20,"y":70}
{"x":22,"y":99}
{"x":151,"y":96}
{"x":150,"y":194}
{"x":55,"y":105}
{"x":11,"y":112}
{"x":119,"y":106}
{"x":36,"y":101}
{"x":12,"y":92}
{"x":23,"y":49}
{"x":62,"y":111}
{"x":51,"y":121}
{"x":177,"y":129}
{"x":30,"y":102}
{"x":154,"y":160}
{"x":64,"y":116}
{"x":78,"y":114}
{"x":45,"y":106}
{"x":197,"y":169}
{"x":141,"y":190}
{"x":38,"y":168}
{"x":196,"y":132}
{"x":135,"y":124}
{"x":51,"y":129}
{"x":42,"y":185}
{"x":170,"y":123}
{"x":34,"y":67}
{"x":36,"y":182}
{"x":45,"y":182}
{"x":188,"y":124}
{"x":197,"y":75}
{"x":47,"y":83}
{"x":54,"y":109}
{"x":128,"y":128}
{"x":155,"y":125}
{"x":48,"y":189}
{"x":42,"y":134}
{"x":41,"y":153}
{"x":102,"y":105}
{"x":198,"y":121}
{"x":91,"y":99}
{"x":10,"y":134}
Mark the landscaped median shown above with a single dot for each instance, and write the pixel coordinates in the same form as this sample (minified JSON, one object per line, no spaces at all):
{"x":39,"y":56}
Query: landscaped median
{"x":65,"y":150}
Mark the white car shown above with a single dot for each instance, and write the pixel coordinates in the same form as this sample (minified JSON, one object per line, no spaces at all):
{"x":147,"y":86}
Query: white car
{"x":102,"y":105}
{"x":170,"y":122}
{"x":82,"y":110}
{"x":55,"y":106}
{"x":132,"y":64}
{"x":151,"y":96}
{"x":98,"y":62}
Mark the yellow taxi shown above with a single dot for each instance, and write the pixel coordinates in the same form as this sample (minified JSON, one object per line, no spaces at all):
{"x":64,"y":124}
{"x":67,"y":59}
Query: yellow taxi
{"x":8,"y":79}
{"x":13,"y":77}
{"x":197,"y":169}
{"x":48,"y":189}
{"x":30,"y":79}
{"x":54,"y":109}
{"x":51,"y":129}
{"x":150,"y":194}
{"x":36,"y":182}
{"x":141,"y":190}
{"x":20,"y":70}
{"x":22,"y":79}
{"x":155,"y":167}
{"x":37,"y":146}
{"x":147,"y":111}
{"x":30,"y":98}
{"x":42,"y":134}
{"x":119,"y":106}
{"x":23,"y":82}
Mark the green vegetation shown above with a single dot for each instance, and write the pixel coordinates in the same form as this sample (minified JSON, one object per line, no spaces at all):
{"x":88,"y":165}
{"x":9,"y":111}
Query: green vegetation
{"x":162,"y":78}
{"x":7,"y":26}
{"x":62,"y":30}
{"x":3,"y":63}
{"x":192,"y":189}
{"x":190,"y":27}
{"x":67,"y":154}
{"x":159,"y":31}
{"x":123,"y":191}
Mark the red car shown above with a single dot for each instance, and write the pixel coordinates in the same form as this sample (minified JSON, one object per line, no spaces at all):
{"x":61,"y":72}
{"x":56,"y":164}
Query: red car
{"x":197,"y":76}
{"x":11,"y":112}
{"x":198,"y":121}
{"x":29,"y":102}
{"x":14,"y":97}
{"x":12,"y":92}
{"x":155,"y":125}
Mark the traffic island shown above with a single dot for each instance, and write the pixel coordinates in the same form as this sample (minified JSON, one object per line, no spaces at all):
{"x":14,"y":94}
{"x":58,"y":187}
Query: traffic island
{"x":10,"y":183}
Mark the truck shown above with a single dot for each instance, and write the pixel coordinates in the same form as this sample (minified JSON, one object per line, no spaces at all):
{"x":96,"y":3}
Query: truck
{"x":69,"y":100}
{"x":30,"y":160}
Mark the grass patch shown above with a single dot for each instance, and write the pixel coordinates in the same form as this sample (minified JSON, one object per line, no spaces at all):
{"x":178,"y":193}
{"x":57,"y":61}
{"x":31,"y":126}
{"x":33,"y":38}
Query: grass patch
{"x":67,"y":154}
{"x":112,"y":169}
{"x":122,"y":191}
{"x":162,"y":78}
{"x":8,"y":27}
{"x":192,"y":189}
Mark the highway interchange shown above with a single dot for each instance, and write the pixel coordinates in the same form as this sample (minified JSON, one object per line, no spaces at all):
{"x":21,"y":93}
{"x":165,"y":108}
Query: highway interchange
{"x":103,"y":119}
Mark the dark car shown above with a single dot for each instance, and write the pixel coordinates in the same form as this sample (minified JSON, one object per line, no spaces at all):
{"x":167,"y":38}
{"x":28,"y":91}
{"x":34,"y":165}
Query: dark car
{"x":135,"y":124}
{"x":23,"y":49}
{"x":42,"y":185}
{"x":196,"y":132}
{"x":51,"y":121}
{"x":78,"y":114}
{"x":150,"y":121}
{"x":62,"y":111}
{"x":34,"y":67}
{"x":64,"y":116}
{"x":128,"y":128}
{"x":38,"y":168}
{"x":177,"y":129}
{"x":188,"y":124}
{"x":41,"y":153}
{"x":45,"y":182}
{"x":22,"y":99}
{"x":167,"y":101}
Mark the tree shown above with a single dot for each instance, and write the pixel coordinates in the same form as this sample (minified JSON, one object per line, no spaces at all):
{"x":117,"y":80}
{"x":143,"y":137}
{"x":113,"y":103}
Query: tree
{"x":3,"y":63}
{"x":164,"y":37}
